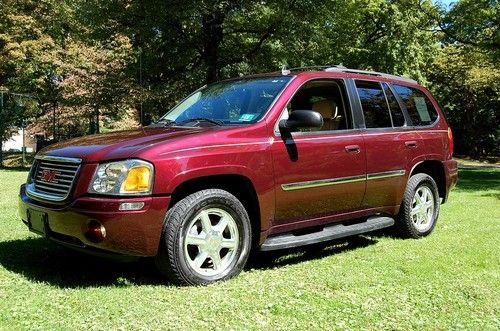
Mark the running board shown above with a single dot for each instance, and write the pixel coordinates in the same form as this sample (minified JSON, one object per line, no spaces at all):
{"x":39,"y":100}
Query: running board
{"x":335,"y":231}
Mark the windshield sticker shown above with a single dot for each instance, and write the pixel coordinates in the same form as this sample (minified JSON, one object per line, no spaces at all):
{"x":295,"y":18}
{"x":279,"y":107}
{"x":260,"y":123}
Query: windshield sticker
{"x":423,"y":112}
{"x":247,"y":117}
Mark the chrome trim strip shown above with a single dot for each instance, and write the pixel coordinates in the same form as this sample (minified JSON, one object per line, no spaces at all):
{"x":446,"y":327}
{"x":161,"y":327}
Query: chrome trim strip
{"x":341,"y":180}
{"x":45,"y":188}
{"x":64,"y":182}
{"x":322,"y":182}
{"x":42,"y":196}
{"x":57,"y":169}
{"x":57,"y":185}
{"x":385,"y":174}
{"x":59,"y":159}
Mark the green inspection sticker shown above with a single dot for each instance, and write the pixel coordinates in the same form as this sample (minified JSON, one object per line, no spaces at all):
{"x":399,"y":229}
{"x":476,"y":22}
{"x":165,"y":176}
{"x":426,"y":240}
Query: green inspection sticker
{"x":247,"y":117}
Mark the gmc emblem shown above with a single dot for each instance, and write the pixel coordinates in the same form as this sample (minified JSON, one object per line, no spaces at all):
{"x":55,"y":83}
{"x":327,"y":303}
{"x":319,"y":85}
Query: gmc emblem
{"x":49,"y":176}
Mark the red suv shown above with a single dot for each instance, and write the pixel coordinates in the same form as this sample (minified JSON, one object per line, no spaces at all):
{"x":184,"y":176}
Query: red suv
{"x":263,"y":162}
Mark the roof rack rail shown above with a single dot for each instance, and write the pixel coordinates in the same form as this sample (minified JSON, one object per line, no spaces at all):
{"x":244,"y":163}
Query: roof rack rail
{"x":372,"y":73}
{"x":317,"y":67}
{"x":341,"y":68}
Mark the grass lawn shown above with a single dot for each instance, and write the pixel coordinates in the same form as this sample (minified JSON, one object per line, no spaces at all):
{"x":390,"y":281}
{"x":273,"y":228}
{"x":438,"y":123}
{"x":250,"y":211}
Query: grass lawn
{"x":450,"y":280}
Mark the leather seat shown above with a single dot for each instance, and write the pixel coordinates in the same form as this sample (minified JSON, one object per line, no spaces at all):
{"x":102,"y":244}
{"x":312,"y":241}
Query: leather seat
{"x":329,"y":111}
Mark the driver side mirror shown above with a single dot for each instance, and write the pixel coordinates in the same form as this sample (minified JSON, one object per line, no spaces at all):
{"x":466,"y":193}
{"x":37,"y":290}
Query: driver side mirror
{"x":301,"y":119}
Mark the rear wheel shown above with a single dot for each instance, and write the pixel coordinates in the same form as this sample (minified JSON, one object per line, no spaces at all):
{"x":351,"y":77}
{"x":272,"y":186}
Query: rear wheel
{"x":420,"y":207}
{"x":206,"y":238}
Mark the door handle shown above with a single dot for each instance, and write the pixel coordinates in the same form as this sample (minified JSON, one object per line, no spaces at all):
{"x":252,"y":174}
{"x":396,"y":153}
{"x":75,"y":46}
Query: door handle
{"x":352,"y":149}
{"x":411,"y":144}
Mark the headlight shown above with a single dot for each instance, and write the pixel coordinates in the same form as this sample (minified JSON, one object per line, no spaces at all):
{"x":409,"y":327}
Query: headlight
{"x":129,"y":177}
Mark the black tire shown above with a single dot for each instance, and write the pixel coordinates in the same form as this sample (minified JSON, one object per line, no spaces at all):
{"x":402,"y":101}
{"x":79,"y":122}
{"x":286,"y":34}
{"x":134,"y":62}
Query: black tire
{"x":173,"y":257}
{"x":405,"y":225}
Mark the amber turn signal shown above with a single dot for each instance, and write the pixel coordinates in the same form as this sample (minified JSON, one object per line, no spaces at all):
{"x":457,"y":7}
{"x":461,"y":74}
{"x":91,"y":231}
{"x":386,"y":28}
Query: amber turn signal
{"x":138,"y":180}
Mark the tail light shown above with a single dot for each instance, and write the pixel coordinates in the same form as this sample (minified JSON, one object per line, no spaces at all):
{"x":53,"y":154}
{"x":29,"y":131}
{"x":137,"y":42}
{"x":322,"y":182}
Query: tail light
{"x":450,"y":141}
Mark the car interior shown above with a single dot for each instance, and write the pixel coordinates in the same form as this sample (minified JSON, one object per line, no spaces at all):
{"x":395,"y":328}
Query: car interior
{"x":326,"y":98}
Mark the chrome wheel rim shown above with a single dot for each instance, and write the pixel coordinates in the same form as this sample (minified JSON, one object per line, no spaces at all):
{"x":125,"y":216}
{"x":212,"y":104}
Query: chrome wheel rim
{"x":211,"y":242}
{"x":422,"y":211}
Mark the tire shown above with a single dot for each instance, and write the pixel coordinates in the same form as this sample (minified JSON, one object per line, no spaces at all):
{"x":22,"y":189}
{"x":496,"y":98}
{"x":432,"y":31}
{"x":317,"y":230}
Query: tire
{"x":198,"y":228}
{"x":413,"y":222}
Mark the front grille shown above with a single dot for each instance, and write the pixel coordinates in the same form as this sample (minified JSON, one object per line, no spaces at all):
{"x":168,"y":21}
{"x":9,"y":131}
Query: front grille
{"x":52,"y":178}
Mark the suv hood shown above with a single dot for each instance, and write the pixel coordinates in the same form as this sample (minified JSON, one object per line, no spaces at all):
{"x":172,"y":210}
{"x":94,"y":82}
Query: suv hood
{"x":117,"y":145}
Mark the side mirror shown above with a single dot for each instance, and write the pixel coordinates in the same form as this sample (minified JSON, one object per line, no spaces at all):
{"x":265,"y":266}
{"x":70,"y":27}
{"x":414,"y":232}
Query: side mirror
{"x":301,"y":119}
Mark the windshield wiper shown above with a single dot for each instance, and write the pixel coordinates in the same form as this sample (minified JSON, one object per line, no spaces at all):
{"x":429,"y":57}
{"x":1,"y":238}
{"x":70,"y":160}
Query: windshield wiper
{"x":165,"y":122}
{"x":203,"y":119}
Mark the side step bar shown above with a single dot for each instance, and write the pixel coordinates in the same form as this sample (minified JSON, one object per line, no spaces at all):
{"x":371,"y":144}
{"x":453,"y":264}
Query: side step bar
{"x":335,"y":231}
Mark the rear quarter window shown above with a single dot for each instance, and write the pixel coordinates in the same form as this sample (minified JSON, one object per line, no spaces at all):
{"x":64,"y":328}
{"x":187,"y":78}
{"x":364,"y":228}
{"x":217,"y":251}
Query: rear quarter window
{"x":418,"y":105}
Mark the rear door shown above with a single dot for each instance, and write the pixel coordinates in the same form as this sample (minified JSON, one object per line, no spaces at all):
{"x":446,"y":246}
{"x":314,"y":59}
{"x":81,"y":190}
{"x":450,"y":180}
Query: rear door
{"x":319,"y":172}
{"x":423,"y":117}
{"x":388,"y":141}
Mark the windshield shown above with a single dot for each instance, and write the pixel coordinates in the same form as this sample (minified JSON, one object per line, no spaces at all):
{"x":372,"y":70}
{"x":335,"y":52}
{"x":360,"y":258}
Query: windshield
{"x":230,"y":102}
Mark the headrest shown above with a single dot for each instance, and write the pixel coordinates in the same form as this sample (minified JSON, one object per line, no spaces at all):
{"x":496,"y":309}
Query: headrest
{"x":327,"y":108}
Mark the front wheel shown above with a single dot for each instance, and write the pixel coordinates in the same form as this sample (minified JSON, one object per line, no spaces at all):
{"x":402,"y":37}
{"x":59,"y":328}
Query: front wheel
{"x":420,"y":207}
{"x":206,"y":238}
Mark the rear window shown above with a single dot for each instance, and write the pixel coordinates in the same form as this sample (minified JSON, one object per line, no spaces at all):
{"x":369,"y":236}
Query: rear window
{"x":419,"y":107}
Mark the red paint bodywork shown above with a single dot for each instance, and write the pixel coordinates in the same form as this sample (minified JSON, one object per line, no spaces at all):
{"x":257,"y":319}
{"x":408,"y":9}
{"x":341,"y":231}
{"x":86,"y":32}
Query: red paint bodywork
{"x":255,"y":152}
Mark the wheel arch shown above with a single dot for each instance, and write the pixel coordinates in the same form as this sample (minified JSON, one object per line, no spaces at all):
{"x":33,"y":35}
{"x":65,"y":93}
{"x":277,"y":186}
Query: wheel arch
{"x":435,"y":169}
{"x":238,"y":185}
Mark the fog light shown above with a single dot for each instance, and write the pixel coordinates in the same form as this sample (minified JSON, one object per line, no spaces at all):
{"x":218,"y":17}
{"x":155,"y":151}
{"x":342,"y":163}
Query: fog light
{"x":96,"y":232}
{"x":131,"y":206}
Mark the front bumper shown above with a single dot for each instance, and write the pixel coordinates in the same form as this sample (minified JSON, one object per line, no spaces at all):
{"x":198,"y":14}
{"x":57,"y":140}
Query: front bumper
{"x":135,"y":233}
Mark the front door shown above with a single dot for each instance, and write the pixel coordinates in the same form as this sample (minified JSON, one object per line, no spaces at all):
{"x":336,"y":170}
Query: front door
{"x":320,"y":172}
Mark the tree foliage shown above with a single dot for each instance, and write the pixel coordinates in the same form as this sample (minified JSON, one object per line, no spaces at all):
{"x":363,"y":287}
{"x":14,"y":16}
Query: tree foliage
{"x":473,"y":22}
{"x":465,"y":74}
{"x":104,"y":64}
{"x":467,"y":84}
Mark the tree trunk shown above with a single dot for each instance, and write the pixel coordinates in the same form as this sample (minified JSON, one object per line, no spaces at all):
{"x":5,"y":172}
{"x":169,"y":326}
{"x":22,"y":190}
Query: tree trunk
{"x":1,"y":153}
{"x":97,"y":124}
{"x":213,"y":36}
{"x":94,"y":121}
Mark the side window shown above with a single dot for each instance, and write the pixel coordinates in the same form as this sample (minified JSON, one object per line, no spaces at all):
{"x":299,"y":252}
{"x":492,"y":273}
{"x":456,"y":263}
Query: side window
{"x":374,"y":104}
{"x":397,"y":116}
{"x":327,"y":97}
{"x":419,"y":107}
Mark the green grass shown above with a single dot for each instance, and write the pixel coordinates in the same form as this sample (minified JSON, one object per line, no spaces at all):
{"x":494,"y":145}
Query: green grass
{"x":449,"y":280}
{"x":488,"y":161}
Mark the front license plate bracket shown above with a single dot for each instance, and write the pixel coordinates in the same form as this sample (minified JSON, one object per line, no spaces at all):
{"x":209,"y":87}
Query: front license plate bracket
{"x":38,"y":222}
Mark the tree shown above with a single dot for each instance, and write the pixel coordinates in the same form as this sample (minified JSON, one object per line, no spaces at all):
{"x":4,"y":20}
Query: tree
{"x":113,"y":58}
{"x":465,"y":74}
{"x":26,"y":53}
{"x":95,"y":83}
{"x":473,"y":22}
{"x":180,"y":45}
{"x":15,"y":110}
{"x":467,"y":84}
